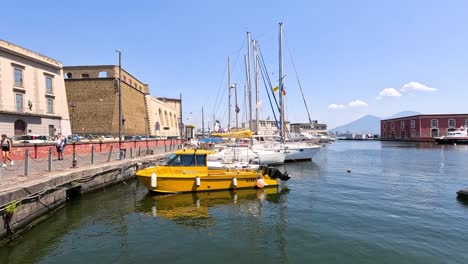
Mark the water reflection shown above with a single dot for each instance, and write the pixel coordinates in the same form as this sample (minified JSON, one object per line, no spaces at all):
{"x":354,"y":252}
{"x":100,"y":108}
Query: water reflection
{"x":193,"y":209}
{"x":421,"y":145}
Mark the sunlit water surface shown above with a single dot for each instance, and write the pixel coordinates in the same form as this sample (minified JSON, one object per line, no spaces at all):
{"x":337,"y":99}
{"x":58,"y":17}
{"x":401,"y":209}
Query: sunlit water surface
{"x":357,"y":202}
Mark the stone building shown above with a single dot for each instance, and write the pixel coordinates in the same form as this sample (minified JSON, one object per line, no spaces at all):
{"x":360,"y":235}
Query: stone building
{"x":312,"y":129}
{"x":267,"y":127}
{"x":92,"y":93}
{"x":93,"y":100}
{"x":32,"y":93}
{"x":164,"y":116}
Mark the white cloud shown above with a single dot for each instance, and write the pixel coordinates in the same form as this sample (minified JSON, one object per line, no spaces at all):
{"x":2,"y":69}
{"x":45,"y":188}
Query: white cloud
{"x":357,"y":103}
{"x":336,"y":106}
{"x":415,"y":86}
{"x":388,"y":92}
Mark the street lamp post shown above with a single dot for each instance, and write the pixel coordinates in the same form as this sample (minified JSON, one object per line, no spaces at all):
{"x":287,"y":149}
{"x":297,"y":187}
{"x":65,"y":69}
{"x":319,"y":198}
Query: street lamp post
{"x":72,"y":106}
{"x":121,"y":153}
{"x":74,"y":160}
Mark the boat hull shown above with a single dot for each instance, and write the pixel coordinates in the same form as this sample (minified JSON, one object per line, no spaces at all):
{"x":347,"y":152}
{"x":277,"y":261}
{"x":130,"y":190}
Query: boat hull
{"x":215,"y":180}
{"x":268,"y":157}
{"x":296,"y":154}
{"x":451,"y":140}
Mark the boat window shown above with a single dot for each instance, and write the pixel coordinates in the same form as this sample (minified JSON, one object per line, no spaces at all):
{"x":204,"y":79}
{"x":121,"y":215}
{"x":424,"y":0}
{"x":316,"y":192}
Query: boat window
{"x":187,"y":160}
{"x":173,"y":158}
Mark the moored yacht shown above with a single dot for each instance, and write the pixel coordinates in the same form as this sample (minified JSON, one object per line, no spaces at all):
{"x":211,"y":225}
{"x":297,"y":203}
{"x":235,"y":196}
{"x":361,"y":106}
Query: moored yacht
{"x":459,"y":135}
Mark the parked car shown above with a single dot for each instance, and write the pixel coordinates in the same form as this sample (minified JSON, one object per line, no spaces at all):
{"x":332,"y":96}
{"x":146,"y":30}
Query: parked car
{"x":33,"y":139}
{"x":89,"y":136}
{"x":74,"y":138}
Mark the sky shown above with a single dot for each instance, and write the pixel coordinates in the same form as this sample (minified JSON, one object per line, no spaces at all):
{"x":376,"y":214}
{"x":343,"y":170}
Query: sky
{"x":353,"y":58}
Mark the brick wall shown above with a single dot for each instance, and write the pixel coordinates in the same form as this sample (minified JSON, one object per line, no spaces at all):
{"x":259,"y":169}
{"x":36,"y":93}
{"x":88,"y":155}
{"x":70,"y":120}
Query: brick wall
{"x":97,"y":107}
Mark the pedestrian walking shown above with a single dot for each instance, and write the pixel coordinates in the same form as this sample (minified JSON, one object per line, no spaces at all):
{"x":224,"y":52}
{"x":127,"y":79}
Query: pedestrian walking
{"x":59,"y":144}
{"x":6,"y":147}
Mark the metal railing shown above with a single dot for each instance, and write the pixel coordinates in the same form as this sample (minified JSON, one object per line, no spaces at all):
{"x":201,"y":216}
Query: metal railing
{"x":40,"y":166}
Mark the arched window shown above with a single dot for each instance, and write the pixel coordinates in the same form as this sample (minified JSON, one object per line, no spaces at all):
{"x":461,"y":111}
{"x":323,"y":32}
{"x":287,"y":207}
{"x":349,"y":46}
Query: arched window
{"x":102,"y":74}
{"x":160,"y":117}
{"x":69,"y":75}
{"x":403,"y":134}
{"x":166,"y":119}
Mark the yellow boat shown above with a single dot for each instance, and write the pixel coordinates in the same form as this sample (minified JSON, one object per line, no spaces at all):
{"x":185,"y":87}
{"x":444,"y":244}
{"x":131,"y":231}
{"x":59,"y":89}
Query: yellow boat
{"x":187,"y":171}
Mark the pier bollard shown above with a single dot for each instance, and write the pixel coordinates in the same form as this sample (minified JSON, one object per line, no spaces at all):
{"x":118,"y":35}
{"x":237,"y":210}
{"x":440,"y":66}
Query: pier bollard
{"x":110,"y":153}
{"x":165,"y":147}
{"x":49,"y":162}
{"x":26,"y":163}
{"x":131,"y":153}
{"x":92,"y":154}
{"x":139,"y":151}
{"x":147,"y":150}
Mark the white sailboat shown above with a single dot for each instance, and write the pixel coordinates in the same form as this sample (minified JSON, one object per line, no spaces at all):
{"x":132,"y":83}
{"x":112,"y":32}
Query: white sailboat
{"x":295,"y":151}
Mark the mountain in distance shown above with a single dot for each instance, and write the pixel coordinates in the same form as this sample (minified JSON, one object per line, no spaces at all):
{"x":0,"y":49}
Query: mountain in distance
{"x":368,"y":124}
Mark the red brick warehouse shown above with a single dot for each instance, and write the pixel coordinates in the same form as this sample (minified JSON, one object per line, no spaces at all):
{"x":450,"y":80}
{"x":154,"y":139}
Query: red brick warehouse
{"x":421,"y":127}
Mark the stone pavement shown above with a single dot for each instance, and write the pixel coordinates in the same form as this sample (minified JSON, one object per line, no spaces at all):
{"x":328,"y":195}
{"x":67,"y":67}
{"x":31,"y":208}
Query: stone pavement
{"x":14,"y":176}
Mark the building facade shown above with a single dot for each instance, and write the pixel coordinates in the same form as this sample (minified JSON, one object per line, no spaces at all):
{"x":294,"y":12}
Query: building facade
{"x":267,"y":127}
{"x":421,"y":127}
{"x":314,"y":128}
{"x":164,"y":117}
{"x":32,"y":93}
{"x":92,"y":93}
{"x":93,"y":101}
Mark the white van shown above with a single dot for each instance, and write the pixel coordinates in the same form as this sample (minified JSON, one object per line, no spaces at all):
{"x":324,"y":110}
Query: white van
{"x":33,"y":139}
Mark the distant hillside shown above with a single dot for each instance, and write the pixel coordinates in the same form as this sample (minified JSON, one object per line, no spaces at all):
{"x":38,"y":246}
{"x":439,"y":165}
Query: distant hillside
{"x":368,"y":124}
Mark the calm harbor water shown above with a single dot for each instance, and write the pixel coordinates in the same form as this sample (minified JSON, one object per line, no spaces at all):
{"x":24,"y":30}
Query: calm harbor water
{"x":397,"y":205}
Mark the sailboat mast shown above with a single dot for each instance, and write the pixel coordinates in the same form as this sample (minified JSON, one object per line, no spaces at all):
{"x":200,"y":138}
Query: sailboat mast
{"x":229,"y":97}
{"x":256,"y":84}
{"x":246,"y":92}
{"x":203,"y":123}
{"x":249,"y":84}
{"x":237,"y":106}
{"x":281,"y":88}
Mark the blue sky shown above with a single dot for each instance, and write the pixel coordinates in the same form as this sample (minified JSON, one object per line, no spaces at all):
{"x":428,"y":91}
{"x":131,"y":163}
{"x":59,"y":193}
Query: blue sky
{"x":353,"y":57}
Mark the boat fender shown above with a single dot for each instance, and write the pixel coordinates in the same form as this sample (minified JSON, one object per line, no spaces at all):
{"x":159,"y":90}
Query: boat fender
{"x":260,"y":183}
{"x":234,"y":182}
{"x":197,"y":181}
{"x":154,"y":180}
